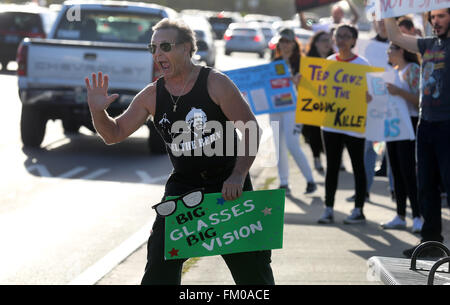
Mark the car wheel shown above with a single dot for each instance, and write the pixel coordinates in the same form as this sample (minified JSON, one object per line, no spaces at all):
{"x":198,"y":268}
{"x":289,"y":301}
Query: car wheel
{"x":227,"y":52}
{"x":32,"y":126}
{"x":261,"y":55}
{"x":156,"y":143}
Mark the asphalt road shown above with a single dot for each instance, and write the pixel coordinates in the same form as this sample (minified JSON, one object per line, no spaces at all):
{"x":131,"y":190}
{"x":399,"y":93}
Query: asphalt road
{"x":68,"y":205}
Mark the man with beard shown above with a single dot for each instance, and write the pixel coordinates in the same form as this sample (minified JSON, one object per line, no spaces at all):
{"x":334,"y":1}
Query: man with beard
{"x":433,"y":133}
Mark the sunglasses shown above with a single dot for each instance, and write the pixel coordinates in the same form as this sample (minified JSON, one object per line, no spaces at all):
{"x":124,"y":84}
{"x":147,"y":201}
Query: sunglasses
{"x":164,"y":46}
{"x":190,"y":200}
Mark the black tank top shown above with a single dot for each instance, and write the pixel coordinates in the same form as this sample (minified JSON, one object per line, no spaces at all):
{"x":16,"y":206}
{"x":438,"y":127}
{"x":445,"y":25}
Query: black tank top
{"x":196,"y":135}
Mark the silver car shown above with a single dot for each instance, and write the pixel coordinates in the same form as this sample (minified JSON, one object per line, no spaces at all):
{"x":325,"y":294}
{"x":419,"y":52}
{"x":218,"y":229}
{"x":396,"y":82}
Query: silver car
{"x":206,"y":48}
{"x":244,"y":38}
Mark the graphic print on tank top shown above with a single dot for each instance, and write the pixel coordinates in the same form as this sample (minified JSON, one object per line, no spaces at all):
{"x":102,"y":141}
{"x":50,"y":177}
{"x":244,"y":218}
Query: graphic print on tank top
{"x":198,"y":128}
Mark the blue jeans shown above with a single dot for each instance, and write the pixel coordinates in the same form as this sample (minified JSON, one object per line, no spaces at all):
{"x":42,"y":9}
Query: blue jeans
{"x":433,"y":161}
{"x":370,"y":158}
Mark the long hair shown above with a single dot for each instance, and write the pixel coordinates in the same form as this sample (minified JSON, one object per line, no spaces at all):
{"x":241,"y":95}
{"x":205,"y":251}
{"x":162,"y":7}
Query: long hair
{"x":294,"y":60}
{"x":408,"y":56}
{"x":312,"y":49}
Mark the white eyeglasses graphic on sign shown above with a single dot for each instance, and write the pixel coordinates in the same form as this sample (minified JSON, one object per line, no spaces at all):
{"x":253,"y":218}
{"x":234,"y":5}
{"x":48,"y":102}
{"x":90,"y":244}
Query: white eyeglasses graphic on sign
{"x":190,"y":200}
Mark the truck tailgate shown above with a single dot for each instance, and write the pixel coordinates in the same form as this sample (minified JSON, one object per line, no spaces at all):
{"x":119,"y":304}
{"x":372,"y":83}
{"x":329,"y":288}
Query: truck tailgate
{"x":67,"y":63}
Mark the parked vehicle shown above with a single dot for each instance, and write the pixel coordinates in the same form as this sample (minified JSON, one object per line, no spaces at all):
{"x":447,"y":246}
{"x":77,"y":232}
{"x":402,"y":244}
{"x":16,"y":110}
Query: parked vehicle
{"x":267,"y":30}
{"x":18,"y":22}
{"x":206,"y":48}
{"x":111,"y":37}
{"x":245,"y":37}
{"x":220,"y":22}
{"x":302,"y":35}
{"x":261,"y":18}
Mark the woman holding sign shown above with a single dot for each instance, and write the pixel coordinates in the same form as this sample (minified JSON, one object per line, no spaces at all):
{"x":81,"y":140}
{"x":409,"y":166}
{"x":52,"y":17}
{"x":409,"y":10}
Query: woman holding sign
{"x":289,"y":49}
{"x":345,"y":37}
{"x":402,"y":153}
{"x":319,"y":46}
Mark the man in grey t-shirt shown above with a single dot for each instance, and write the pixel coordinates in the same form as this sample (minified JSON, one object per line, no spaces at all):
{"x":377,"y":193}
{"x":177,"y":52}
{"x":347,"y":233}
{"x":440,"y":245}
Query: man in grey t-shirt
{"x":433,"y":133}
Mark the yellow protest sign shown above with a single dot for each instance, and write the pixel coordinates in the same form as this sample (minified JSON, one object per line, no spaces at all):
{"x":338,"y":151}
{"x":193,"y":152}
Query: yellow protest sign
{"x":333,"y":94}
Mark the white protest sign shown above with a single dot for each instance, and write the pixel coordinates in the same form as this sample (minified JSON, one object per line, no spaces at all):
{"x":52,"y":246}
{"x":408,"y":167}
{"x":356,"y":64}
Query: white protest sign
{"x":394,"y":8}
{"x":374,"y":51}
{"x":387,"y":116}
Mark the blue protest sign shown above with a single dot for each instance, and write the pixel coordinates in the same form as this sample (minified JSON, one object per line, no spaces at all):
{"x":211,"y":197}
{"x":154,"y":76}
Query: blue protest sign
{"x":266,"y":88}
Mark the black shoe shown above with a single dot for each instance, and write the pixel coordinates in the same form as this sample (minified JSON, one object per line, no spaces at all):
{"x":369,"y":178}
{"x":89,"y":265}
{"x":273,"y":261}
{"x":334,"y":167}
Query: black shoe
{"x":310,"y":188}
{"x":287,"y":190}
{"x":431,"y":252}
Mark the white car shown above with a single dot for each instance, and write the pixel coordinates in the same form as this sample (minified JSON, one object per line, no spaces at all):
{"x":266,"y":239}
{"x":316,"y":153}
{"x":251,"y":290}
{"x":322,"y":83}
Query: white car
{"x":112,"y":37}
{"x":206,"y":48}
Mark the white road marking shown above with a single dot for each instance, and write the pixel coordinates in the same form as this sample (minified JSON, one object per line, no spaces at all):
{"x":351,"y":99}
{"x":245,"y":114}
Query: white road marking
{"x":41,"y":169}
{"x":73,"y":172}
{"x":101,"y":268}
{"x":95,"y":174}
{"x":146,"y":178}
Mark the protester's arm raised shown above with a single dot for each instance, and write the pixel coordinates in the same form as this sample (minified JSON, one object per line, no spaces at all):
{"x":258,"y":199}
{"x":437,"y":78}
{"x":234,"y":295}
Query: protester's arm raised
{"x":115,"y":130}
{"x":354,"y":10}
{"x":404,"y":41}
{"x":228,"y":97}
{"x":303,"y":22}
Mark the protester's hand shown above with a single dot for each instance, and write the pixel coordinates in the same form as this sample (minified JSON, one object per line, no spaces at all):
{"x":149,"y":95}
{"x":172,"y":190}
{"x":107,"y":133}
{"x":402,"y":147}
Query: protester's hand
{"x":368,"y":97}
{"x":392,"y":89}
{"x":98,"y":98}
{"x":232,"y":187}
{"x":296,"y":79}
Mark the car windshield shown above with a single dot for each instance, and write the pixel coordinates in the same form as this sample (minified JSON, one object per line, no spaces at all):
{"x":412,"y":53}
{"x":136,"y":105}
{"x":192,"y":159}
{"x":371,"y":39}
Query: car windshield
{"x":20,"y":22}
{"x":124,"y":27}
{"x":244,"y":32}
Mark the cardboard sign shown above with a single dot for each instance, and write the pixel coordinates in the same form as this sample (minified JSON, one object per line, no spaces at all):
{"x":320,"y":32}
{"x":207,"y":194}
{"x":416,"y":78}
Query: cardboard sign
{"x":252,"y":222}
{"x":266,"y":88}
{"x":333,"y":94}
{"x":302,"y":5}
{"x":387,"y":116}
{"x":374,"y":51}
{"x":394,"y":8}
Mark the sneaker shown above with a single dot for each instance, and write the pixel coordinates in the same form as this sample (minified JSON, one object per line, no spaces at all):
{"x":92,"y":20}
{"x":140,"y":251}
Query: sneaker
{"x":353,"y":198}
{"x":396,"y":223}
{"x":355,"y":217}
{"x":417,"y":225}
{"x":327,"y":216}
{"x":287,"y":190}
{"x":311,"y":187}
{"x":430,"y":252}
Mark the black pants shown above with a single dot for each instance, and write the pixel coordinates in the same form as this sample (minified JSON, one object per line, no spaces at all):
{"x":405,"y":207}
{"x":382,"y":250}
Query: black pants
{"x":433,"y":165}
{"x":248,"y":268}
{"x":314,"y":138}
{"x":334,"y":146}
{"x":402,"y":158}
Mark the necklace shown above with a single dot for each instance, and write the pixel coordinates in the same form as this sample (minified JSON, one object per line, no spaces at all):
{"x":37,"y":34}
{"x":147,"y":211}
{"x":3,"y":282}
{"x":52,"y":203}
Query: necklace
{"x":175,"y":102}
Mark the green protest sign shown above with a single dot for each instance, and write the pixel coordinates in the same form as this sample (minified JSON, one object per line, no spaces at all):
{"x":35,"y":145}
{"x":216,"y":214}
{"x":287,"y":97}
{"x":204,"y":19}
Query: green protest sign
{"x":252,"y":222}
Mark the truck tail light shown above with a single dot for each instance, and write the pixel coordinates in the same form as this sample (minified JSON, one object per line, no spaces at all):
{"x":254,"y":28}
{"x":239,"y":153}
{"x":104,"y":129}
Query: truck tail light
{"x":21,"y":58}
